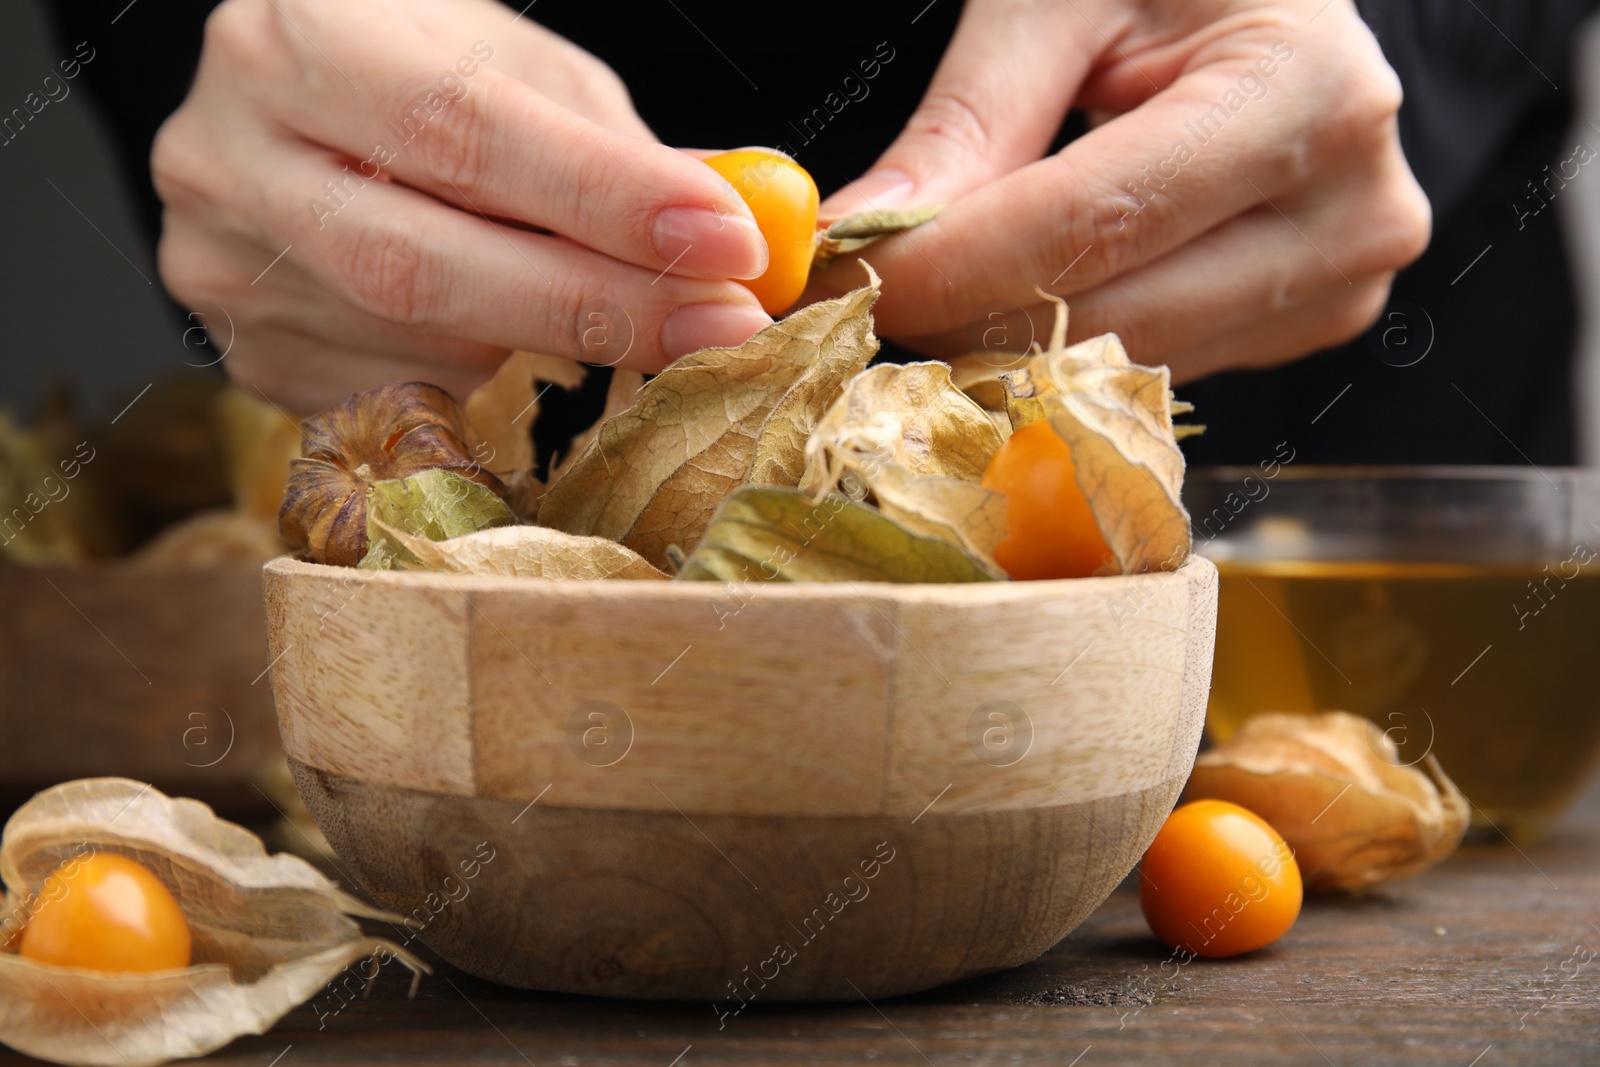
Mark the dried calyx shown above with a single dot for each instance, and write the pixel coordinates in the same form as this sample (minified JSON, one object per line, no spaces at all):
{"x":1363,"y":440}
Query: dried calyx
{"x":726,"y":445}
{"x":855,"y":232}
{"x":655,"y":473}
{"x":770,"y":534}
{"x":1117,"y":417}
{"x":388,"y":433}
{"x":1333,"y":786}
{"x":509,"y":551}
{"x":269,"y":931}
{"x":919,"y":446}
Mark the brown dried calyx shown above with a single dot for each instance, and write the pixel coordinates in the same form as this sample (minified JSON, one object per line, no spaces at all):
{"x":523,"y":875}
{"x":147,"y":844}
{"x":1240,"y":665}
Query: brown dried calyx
{"x":1116,"y":416}
{"x":269,"y":931}
{"x":391,"y":432}
{"x":1333,"y":786}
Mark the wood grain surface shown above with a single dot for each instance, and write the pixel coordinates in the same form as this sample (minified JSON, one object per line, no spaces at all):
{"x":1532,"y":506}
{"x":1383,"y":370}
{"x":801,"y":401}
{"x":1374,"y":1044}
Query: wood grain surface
{"x":1473,"y":964}
{"x":110,"y":670}
{"x":660,"y":905}
{"x":1038,"y":731}
{"x":822,"y":699}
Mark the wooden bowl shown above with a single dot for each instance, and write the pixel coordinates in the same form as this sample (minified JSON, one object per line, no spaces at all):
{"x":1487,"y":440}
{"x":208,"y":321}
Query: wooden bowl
{"x":145,"y":673}
{"x":690,"y":790}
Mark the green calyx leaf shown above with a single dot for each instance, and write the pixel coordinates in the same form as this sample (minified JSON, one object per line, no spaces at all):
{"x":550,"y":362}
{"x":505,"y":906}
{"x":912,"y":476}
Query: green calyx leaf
{"x":768,"y":534}
{"x":855,"y":232}
{"x":434,"y":504}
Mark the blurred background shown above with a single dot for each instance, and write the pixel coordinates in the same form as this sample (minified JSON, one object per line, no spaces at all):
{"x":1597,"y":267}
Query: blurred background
{"x":81,"y":299}
{"x":177,"y":661}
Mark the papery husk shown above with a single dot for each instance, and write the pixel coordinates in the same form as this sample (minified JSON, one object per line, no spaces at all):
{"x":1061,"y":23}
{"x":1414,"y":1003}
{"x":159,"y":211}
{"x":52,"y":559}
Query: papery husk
{"x":157,"y":460}
{"x":384,"y":434}
{"x":1180,"y":430}
{"x":712,"y":421}
{"x":500,"y":415}
{"x":1331,"y":784}
{"x":920,"y":446}
{"x":524,"y":494}
{"x":979,"y":376}
{"x":435,"y":505}
{"x":295,"y":830}
{"x":268,"y":932}
{"x":212,"y":539}
{"x":517,"y":552}
{"x":1023,"y":399}
{"x":1117,"y":418}
{"x":259,"y":441}
{"x":502,"y":411}
{"x":763,"y":534}
{"x":855,"y":232}
{"x":34,"y":528}
{"x":621,"y":393}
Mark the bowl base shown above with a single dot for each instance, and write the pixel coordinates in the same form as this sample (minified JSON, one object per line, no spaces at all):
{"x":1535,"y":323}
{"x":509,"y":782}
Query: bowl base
{"x":729,"y":909}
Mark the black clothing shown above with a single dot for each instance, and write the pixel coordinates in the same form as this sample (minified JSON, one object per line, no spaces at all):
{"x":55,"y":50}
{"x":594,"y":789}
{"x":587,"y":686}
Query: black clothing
{"x":1481,"y":122}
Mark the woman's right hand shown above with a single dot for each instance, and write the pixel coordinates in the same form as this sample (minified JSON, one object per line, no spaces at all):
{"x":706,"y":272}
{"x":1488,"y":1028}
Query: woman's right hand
{"x":377,"y":190}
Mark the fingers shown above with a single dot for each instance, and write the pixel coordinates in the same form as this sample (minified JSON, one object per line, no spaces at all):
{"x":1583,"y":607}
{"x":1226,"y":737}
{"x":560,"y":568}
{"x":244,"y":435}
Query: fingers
{"x":303,"y":371}
{"x":995,"y":104}
{"x":288,"y":336}
{"x":1325,"y":318}
{"x":1148,"y":182}
{"x":1275,"y":258}
{"x":569,"y":75}
{"x":1297,"y":264}
{"x":1331,"y":319}
{"x":1271,"y":259}
{"x":330,"y":270}
{"x":416,"y":263}
{"x":449,"y":121}
{"x":394,"y":255}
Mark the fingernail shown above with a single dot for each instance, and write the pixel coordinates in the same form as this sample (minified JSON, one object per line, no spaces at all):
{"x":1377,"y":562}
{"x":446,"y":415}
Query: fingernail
{"x":696,"y":326}
{"x":881,"y":190}
{"x":710,"y":243}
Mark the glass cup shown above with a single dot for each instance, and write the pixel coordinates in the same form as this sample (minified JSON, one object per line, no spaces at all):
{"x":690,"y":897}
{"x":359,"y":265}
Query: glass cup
{"x":1458,"y":608}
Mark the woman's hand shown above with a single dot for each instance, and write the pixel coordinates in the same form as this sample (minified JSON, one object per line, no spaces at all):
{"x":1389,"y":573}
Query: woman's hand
{"x":1241,"y":200}
{"x":374,"y":190}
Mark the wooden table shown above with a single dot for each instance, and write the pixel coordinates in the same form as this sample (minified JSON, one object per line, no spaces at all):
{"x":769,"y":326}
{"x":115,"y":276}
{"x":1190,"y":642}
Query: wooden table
{"x":1492,"y":959}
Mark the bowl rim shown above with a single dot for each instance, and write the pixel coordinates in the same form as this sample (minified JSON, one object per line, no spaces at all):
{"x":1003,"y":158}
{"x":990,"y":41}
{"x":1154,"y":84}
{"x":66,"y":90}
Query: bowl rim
{"x":1097,"y":589}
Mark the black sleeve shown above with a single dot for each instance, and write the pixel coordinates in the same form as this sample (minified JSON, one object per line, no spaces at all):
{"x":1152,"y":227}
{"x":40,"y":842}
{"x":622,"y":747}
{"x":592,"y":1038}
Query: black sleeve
{"x":1471,"y":363}
{"x":1473,"y":72}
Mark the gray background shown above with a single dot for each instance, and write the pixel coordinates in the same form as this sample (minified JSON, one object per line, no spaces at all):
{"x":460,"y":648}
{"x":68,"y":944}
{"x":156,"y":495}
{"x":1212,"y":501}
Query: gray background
{"x":73,"y":308}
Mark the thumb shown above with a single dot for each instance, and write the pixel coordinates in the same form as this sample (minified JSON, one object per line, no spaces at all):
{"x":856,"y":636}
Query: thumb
{"x":995,"y":104}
